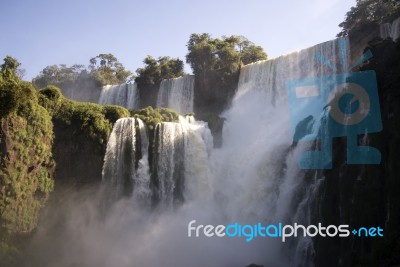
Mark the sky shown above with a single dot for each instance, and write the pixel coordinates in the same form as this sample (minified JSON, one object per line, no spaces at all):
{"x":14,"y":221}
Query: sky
{"x":46,"y":32}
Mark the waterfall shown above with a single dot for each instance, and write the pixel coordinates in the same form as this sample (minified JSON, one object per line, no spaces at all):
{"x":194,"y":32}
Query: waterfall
{"x":395,"y":30}
{"x":390,"y":30}
{"x":257,"y":168}
{"x":181,"y":160}
{"x":198,"y":145}
{"x":254,"y":177}
{"x":126,"y":165}
{"x":169,"y":163}
{"x":177,"y":94}
{"x":125,"y":95}
{"x":119,"y":161}
{"x":142,"y":190}
{"x":175,"y":175}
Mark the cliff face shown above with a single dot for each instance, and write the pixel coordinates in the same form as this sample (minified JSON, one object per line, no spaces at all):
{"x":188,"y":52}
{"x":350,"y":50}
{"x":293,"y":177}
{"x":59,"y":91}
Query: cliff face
{"x":27,"y":170}
{"x":79,"y":158}
{"x":81,"y":132}
{"x":148,"y":95}
{"x":366,"y":195}
{"x":26,"y":164}
{"x":46,"y":141}
{"x":213,"y":93}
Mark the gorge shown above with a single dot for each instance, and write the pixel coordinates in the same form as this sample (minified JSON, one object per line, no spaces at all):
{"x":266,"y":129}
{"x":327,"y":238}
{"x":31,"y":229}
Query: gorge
{"x":114,"y":169}
{"x":157,"y":180}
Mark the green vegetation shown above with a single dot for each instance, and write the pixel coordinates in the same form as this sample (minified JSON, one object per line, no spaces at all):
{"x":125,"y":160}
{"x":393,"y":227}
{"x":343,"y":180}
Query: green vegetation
{"x":28,"y":153}
{"x":103,"y":69}
{"x":109,"y":70}
{"x":152,"y":116}
{"x":39,"y":128}
{"x":92,"y":120}
{"x":368,"y":12}
{"x":223,"y":56}
{"x":81,"y":131}
{"x":26,"y":162}
{"x":113,"y":113}
{"x":155,"y":70}
{"x":60,"y":75}
{"x":216,"y":63}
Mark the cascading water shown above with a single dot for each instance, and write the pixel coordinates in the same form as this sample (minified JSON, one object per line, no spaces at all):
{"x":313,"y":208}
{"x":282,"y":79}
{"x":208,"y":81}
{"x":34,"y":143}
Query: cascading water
{"x":125,"y":95}
{"x":257,"y":167}
{"x":181,"y":151}
{"x":253,"y":178}
{"x":119,"y":161}
{"x":142,"y":192}
{"x":169,"y":164}
{"x":177,"y":94}
{"x":181,"y":160}
{"x":390,"y":30}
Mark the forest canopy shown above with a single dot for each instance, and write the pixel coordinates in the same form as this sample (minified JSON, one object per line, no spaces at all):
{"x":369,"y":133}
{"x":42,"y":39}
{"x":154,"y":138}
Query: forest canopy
{"x":103,"y":69}
{"x":369,"y":11}
{"x":225,"y":55}
{"x":155,"y":70}
{"x":205,"y":54}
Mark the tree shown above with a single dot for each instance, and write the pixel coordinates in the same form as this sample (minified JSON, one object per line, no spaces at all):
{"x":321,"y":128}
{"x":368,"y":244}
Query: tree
{"x":155,"y":70}
{"x":58,"y":75}
{"x":216,"y":63}
{"x":103,"y":69}
{"x":202,"y":53}
{"x":252,"y":53}
{"x":109,"y":70}
{"x":225,"y":55}
{"x":10,"y":63}
{"x":369,"y":11}
{"x":9,"y":86}
{"x":11,"y":68}
{"x":14,"y":66}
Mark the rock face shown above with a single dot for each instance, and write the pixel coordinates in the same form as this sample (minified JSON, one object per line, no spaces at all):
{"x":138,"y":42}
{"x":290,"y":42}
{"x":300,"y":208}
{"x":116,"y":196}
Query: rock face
{"x":81,"y":132}
{"x":26,"y":165}
{"x":366,"y":195}
{"x":27,"y":170}
{"x":79,"y":158}
{"x":212,"y":94}
{"x":148,"y":95}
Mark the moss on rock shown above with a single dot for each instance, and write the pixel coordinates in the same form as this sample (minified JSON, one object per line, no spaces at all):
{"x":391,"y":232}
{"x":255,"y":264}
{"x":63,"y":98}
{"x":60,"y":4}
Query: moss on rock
{"x":151,"y":117}
{"x":81,"y":135}
{"x":26,"y":163}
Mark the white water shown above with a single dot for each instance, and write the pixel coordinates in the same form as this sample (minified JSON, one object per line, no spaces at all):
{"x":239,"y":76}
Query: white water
{"x":142,"y":192}
{"x":177,"y":94}
{"x":254,"y":177}
{"x":125,"y":95}
{"x":182,"y":160}
{"x":390,"y":30}
{"x":256,"y":172}
{"x":119,"y":161}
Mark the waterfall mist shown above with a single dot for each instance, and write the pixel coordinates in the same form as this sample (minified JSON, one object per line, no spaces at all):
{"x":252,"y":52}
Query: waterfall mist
{"x":253,"y":178}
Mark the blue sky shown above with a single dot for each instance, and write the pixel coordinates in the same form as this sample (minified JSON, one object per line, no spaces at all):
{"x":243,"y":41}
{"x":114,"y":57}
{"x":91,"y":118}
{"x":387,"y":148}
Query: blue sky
{"x":46,"y":32}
